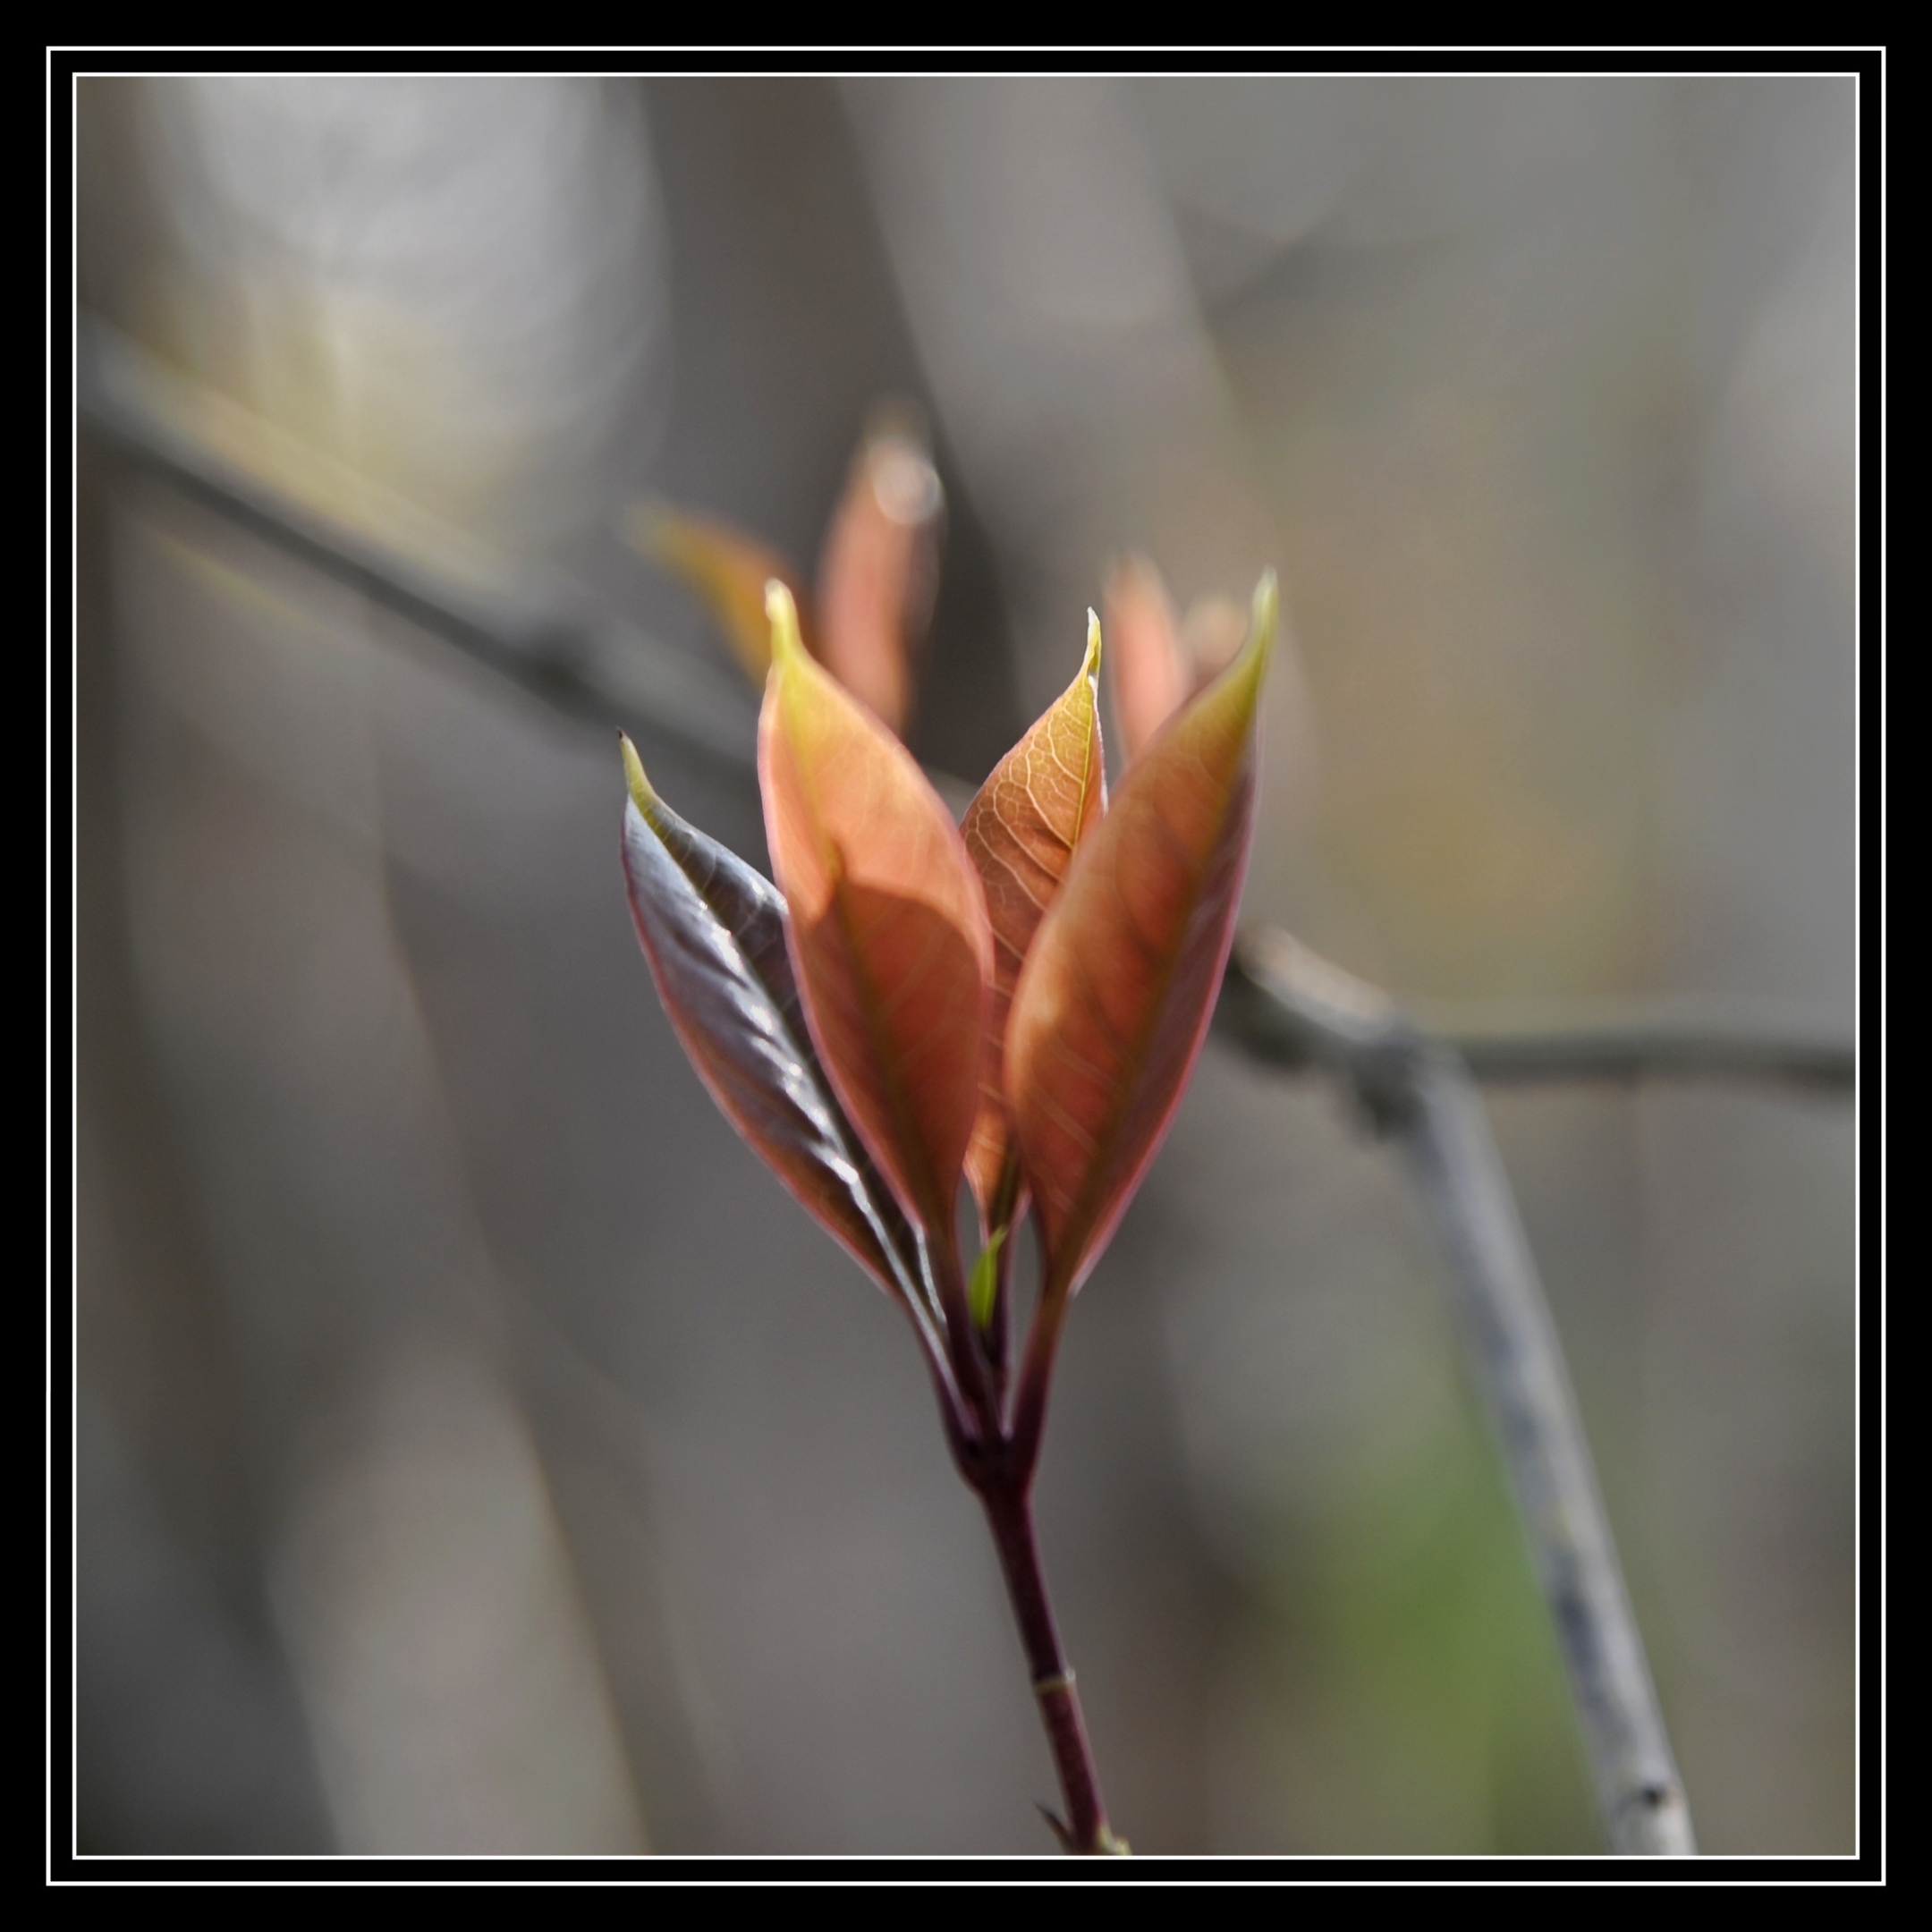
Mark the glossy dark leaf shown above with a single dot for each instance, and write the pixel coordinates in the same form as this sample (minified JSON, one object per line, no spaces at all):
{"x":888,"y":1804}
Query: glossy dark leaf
{"x":714,"y":932}
{"x":1114,"y":1001}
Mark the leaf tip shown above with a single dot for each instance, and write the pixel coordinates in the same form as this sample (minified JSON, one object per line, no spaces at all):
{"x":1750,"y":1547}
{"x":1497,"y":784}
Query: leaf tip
{"x":1090,"y":664}
{"x":1264,"y":622}
{"x":788,"y":645}
{"x":641,"y":794}
{"x":1266,"y":617}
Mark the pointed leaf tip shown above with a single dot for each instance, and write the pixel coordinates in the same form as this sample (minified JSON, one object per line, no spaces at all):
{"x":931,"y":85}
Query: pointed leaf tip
{"x":641,"y":794}
{"x":1267,"y":619}
{"x":1244,"y":672}
{"x":782,"y":608}
{"x":1043,"y":799}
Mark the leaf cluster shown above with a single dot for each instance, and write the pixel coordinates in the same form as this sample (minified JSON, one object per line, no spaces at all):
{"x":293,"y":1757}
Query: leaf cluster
{"x":1016,"y":1001}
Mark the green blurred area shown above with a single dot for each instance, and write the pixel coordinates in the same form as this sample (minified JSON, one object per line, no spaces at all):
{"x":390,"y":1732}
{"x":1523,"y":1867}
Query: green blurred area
{"x":1418,"y":1703}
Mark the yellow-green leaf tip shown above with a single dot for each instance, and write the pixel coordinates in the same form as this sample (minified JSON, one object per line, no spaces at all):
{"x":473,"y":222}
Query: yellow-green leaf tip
{"x":641,"y":794}
{"x":783,"y":614}
{"x":1266,"y":615}
{"x":1091,"y":665}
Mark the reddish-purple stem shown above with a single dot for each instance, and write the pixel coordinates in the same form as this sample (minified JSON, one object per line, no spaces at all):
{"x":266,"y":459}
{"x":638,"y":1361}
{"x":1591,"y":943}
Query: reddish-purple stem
{"x":1009,"y":1509}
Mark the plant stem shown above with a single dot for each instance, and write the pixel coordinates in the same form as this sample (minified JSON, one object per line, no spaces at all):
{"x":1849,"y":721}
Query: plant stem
{"x":1009,"y":1508}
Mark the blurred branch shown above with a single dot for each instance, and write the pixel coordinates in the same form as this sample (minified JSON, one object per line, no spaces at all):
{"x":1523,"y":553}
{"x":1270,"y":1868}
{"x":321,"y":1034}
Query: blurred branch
{"x":1308,"y":1013}
{"x":1625,"y":1048}
{"x":539,"y":634}
{"x":1294,"y":1008}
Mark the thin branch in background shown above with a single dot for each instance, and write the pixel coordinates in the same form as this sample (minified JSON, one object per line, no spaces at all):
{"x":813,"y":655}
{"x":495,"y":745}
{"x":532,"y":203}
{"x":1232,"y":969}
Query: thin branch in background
{"x":1689,"y":1043}
{"x":542,"y":635}
{"x":1517,"y":1362}
{"x":1416,"y":1087}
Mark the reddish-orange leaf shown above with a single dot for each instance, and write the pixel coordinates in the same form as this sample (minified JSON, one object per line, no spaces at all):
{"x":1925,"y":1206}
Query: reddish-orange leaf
{"x":879,"y":572}
{"x":1043,"y":798}
{"x":727,"y":569}
{"x":1114,"y":997}
{"x":1151,"y":678}
{"x":889,"y":933}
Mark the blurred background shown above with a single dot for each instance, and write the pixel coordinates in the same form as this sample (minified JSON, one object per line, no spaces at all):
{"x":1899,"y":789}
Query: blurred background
{"x":477,"y":1450}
